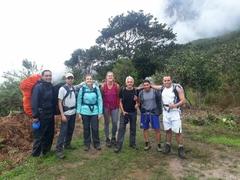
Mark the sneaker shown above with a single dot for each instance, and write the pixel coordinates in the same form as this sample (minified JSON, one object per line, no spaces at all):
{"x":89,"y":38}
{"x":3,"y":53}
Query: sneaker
{"x":159,"y":149}
{"x":86,"y":148}
{"x":134,"y":146}
{"x":167,"y":149}
{"x":60,"y":155}
{"x":108,"y":144}
{"x":148,"y":146}
{"x":117,"y":149}
{"x":98,"y":148}
{"x":181,"y":152}
{"x":113,"y":141}
{"x":70,"y":147}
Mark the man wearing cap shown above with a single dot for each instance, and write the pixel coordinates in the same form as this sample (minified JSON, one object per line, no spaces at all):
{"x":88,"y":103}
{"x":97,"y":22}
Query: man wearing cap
{"x":67,"y":108}
{"x":42,"y":111}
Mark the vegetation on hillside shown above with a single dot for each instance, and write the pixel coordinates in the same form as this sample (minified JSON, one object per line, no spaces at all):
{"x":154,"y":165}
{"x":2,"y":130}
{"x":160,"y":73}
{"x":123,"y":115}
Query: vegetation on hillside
{"x":137,"y":44}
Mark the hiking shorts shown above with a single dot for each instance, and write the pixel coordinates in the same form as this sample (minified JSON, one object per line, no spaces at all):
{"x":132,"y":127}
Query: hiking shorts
{"x":172,"y":120}
{"x":149,"y":118}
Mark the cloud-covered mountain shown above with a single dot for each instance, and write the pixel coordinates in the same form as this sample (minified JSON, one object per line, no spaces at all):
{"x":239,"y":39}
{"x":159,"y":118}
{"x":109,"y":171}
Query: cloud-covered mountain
{"x":197,"y":19}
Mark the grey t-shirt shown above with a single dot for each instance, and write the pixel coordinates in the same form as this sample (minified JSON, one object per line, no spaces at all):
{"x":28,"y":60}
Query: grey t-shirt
{"x":148,"y":100}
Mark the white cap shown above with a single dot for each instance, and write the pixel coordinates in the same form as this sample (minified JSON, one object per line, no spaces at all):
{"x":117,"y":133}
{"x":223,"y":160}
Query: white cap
{"x":69,"y":75}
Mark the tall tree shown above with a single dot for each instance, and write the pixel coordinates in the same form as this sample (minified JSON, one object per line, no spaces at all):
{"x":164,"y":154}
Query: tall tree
{"x":125,"y":34}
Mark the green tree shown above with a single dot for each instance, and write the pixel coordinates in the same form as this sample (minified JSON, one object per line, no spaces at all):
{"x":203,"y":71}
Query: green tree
{"x":124,"y":68}
{"x":10,"y":94}
{"x":125,"y":34}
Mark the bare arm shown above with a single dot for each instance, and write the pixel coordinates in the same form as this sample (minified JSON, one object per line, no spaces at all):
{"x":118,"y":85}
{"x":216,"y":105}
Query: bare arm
{"x":157,"y":87}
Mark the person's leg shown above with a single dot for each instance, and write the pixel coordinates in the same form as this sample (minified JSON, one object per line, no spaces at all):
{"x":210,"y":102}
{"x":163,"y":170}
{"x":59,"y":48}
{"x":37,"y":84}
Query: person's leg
{"x":38,"y":137}
{"x":114,"y":117}
{"x":48,"y":136}
{"x":61,"y":136}
{"x":156,"y":127}
{"x":95,"y":131}
{"x":121,"y":133}
{"x":177,"y":129}
{"x":70,"y":129}
{"x":167,"y":127}
{"x":132,"y":136}
{"x":145,"y":119}
{"x":86,"y":131}
{"x":106,"y":126}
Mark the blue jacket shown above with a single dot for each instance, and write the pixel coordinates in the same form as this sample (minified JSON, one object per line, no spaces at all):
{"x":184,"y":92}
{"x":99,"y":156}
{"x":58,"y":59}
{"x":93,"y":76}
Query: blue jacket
{"x":89,"y":102}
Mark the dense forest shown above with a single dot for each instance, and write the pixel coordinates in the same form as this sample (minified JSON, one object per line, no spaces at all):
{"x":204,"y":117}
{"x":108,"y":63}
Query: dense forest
{"x":136,"y":44}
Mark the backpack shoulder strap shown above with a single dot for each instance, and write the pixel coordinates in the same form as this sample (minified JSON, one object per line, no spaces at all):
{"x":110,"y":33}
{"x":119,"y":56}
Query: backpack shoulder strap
{"x":68,"y":91}
{"x":175,"y":89}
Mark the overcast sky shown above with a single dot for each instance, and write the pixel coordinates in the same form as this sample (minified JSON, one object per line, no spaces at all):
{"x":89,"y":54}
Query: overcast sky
{"x":48,"y":31}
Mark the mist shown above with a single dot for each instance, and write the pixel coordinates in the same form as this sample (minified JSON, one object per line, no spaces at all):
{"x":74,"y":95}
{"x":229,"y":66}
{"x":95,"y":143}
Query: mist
{"x":198,"y":19}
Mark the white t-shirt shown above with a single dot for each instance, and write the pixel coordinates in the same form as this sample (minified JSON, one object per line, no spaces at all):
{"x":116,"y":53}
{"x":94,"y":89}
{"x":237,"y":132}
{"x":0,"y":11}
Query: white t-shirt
{"x":69,"y":101}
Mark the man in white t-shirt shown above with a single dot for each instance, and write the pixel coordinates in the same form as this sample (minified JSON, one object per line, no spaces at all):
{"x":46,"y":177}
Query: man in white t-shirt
{"x":67,"y":108}
{"x":171,"y":114}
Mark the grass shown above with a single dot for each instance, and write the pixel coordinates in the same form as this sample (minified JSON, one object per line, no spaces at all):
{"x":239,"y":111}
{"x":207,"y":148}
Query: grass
{"x":200,"y":142}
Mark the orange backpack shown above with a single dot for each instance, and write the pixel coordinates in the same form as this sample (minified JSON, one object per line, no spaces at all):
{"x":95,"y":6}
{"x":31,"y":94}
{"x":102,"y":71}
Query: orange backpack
{"x":26,"y":86}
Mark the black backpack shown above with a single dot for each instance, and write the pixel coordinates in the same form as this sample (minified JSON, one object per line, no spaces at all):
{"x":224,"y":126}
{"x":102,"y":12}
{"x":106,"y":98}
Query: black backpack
{"x":56,"y":88}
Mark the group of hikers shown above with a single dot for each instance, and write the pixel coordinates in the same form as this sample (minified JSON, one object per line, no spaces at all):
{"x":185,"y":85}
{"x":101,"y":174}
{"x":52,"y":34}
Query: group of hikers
{"x":93,"y":101}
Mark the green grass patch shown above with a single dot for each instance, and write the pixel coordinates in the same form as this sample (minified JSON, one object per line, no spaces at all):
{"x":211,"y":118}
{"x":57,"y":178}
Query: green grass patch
{"x":225,"y":141}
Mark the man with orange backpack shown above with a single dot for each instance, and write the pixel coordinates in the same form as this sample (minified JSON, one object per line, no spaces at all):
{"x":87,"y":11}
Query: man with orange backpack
{"x":110,"y":95}
{"x":42,"y":110}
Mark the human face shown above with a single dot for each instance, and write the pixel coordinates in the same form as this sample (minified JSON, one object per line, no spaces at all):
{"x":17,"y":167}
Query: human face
{"x":129,"y":83}
{"x":110,"y":77}
{"x":167,"y":81}
{"x":69,"y":80}
{"x":89,"y":81}
{"x":146,"y":86}
{"x":47,"y":76}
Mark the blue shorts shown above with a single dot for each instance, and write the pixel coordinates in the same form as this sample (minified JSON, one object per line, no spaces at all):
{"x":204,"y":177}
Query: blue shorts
{"x":147,"y":118}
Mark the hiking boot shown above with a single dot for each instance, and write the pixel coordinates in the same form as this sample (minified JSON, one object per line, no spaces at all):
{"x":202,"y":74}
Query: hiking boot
{"x":60,"y":155}
{"x":159,"y":149}
{"x":108,"y":144}
{"x":167,"y":149}
{"x":113,"y":141}
{"x":70,"y":147}
{"x":86,"y":148}
{"x":134,"y":146}
{"x":181,"y":152}
{"x":98,"y":148}
{"x":117,"y":149}
{"x":148,"y":146}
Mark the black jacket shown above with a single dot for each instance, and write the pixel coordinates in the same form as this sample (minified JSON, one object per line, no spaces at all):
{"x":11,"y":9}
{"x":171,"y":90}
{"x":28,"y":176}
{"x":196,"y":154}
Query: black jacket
{"x":42,"y":99}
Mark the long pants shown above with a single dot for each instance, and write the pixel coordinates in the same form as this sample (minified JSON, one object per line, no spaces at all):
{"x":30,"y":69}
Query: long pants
{"x":66,"y":132}
{"x":91,"y":122}
{"x":122,"y":129}
{"x":114,"y":119}
{"x":43,"y":137}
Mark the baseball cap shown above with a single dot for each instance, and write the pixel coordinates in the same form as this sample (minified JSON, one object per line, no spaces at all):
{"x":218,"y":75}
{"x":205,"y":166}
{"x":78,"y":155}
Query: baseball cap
{"x":69,"y":75}
{"x":36,"y":125}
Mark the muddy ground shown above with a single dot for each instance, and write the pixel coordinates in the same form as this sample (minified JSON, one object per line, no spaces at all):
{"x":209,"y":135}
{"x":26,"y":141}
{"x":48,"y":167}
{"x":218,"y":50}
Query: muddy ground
{"x":16,"y":144}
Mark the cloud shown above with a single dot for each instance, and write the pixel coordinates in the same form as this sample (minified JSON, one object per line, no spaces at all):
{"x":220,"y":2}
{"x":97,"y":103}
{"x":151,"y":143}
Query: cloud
{"x":197,"y":19}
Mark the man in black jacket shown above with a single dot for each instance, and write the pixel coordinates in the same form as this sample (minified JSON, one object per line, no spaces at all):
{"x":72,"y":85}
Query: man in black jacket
{"x":42,"y":110}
